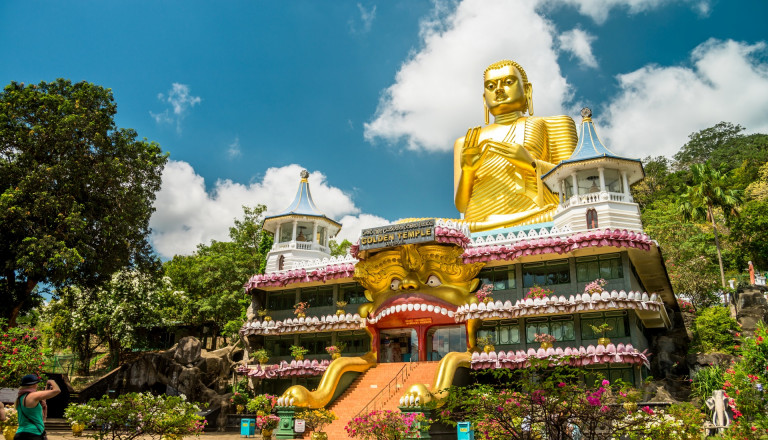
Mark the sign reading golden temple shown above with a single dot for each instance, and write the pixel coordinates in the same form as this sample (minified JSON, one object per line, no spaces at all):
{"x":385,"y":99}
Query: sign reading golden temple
{"x":420,"y":231}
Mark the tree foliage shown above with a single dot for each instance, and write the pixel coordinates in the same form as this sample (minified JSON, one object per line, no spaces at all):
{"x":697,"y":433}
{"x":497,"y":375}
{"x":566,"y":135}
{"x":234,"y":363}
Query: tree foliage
{"x":76,"y":191}
{"x":211,"y":280}
{"x":339,"y":249}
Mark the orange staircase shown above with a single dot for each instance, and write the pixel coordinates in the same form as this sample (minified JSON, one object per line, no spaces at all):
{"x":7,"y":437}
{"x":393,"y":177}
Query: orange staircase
{"x":380,"y":388}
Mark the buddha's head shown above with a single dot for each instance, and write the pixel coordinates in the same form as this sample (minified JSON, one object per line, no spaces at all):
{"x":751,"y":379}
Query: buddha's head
{"x":415,"y":275}
{"x":506,"y":88}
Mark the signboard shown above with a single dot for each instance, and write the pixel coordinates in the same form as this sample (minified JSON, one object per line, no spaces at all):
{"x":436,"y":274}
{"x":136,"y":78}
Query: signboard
{"x":8,"y":395}
{"x":420,"y":231}
{"x":418,"y":321}
{"x":299,"y":425}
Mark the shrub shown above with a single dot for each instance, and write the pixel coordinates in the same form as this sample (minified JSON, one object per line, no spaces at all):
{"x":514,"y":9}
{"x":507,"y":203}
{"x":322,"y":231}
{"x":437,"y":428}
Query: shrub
{"x":238,"y":398}
{"x":387,"y":425}
{"x":137,"y":414}
{"x":317,"y":419}
{"x":707,"y":380}
{"x":714,"y":330}
{"x":11,"y":418}
{"x":20,"y":354}
{"x":261,"y":404}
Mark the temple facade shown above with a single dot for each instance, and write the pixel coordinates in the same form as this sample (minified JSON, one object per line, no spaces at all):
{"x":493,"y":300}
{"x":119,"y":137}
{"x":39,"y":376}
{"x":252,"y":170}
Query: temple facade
{"x":588,"y":287}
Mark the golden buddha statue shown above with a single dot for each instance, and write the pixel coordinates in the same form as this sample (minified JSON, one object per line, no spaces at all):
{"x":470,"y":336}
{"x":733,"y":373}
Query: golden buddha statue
{"x":498,"y":167}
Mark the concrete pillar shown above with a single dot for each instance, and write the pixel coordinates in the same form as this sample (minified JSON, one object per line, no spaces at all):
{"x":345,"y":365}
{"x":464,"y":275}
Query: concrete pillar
{"x":575,"y":184}
{"x":625,"y":184}
{"x":601,"y":172}
{"x":314,"y":232}
{"x":277,"y":236}
{"x":295,"y":225}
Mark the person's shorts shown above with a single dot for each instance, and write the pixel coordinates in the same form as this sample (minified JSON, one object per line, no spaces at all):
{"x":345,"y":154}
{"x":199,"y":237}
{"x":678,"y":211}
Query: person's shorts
{"x":29,"y":436}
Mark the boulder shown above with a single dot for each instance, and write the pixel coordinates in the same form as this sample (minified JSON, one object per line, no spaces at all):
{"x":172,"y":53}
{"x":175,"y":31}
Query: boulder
{"x":187,"y":350}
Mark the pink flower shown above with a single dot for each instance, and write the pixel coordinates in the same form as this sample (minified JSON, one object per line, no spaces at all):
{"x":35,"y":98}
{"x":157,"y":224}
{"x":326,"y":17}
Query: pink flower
{"x":606,"y":382}
{"x":647,"y":409}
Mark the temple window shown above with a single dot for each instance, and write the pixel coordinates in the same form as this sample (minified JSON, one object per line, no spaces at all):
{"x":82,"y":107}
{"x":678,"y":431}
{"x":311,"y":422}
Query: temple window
{"x":304,"y":231}
{"x":548,"y":273}
{"x":618,"y":321}
{"x":502,"y":278}
{"x":612,"y":180}
{"x":355,"y":342}
{"x":321,"y":235}
{"x":318,"y":296}
{"x":286,"y":232}
{"x":507,"y":333}
{"x":561,"y":327}
{"x":315,"y":342}
{"x":591,"y":218}
{"x":353,"y":294}
{"x":278,"y":345}
{"x":281,"y":262}
{"x":281,"y":300}
{"x":613,"y":373}
{"x":607,"y":267}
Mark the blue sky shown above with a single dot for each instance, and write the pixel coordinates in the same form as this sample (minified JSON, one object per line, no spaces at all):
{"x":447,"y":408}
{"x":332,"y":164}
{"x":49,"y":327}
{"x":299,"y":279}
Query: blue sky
{"x":368,"y":96}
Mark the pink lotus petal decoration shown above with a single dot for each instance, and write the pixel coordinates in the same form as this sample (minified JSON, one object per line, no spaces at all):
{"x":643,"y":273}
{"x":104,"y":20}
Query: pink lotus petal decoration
{"x":576,"y":356}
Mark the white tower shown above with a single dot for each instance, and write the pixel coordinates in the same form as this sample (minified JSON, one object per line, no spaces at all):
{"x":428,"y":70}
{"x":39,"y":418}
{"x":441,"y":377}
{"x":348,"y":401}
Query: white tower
{"x":301,"y":231}
{"x":593,"y":185}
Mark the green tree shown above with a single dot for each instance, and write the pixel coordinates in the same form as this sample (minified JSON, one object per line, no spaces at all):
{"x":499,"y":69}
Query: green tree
{"x":212,"y":278}
{"x":339,"y":249}
{"x":750,"y":231}
{"x":702,"y":144}
{"x":76,"y":191}
{"x":709,"y":191}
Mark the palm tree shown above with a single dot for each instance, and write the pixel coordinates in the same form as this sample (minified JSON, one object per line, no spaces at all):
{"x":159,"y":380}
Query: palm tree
{"x":709,"y":191}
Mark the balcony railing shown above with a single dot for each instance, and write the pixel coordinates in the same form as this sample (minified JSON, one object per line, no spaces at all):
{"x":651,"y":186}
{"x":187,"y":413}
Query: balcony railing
{"x":586,"y":199}
{"x":303,"y":245}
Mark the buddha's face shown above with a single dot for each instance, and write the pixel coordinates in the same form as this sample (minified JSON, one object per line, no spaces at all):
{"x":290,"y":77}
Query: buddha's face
{"x":504,"y":90}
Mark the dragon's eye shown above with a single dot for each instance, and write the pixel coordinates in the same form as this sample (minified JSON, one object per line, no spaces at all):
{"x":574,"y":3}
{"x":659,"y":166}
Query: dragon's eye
{"x":395,"y":284}
{"x":433,"y":281}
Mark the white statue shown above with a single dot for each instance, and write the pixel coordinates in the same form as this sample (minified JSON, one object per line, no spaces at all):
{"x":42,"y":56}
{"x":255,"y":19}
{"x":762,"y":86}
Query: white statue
{"x":721,"y":412}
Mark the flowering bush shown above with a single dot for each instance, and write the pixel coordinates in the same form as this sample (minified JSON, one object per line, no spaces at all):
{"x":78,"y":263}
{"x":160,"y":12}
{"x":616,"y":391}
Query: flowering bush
{"x":267,"y":422}
{"x":686,"y":306}
{"x":333,"y":349}
{"x":714,"y":331}
{"x":11,"y":417}
{"x":544,"y":337}
{"x":300,"y":307}
{"x":136,"y":415}
{"x":595,"y":286}
{"x":341,"y":304}
{"x":744,"y":384}
{"x":484,"y":292}
{"x":262,"y":404}
{"x":238,"y":399}
{"x":538,"y":292}
{"x":544,"y":402}
{"x":387,"y":425}
{"x":317,"y":419}
{"x":601,"y":329}
{"x":20,"y":354}
{"x":485,"y":340}
{"x":262,"y":312}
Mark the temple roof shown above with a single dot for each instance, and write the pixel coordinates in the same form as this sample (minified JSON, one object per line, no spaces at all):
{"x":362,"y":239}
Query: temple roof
{"x":589,"y":149}
{"x":302,"y":204}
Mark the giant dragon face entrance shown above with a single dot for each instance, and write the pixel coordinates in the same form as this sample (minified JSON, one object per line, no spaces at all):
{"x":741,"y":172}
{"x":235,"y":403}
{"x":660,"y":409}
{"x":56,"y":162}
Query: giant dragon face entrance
{"x":414,"y":292}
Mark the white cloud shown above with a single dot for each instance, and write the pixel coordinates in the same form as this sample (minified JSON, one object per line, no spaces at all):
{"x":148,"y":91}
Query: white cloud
{"x":180,"y":100}
{"x":599,"y":10}
{"x":579,"y":44}
{"x":187,"y":214}
{"x":233,"y":150}
{"x":366,"y":16}
{"x":437,"y":92}
{"x":658,"y":107}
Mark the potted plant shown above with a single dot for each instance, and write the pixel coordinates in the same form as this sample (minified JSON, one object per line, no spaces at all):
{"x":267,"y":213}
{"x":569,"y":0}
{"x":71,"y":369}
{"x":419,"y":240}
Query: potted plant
{"x":262,"y":404}
{"x":298,"y":352}
{"x":78,"y":417}
{"x":487,"y":343}
{"x":334,"y":351}
{"x":316,"y":420}
{"x":264,"y":314}
{"x":300,"y":309}
{"x":484,"y":293}
{"x":11,"y":423}
{"x":602,"y":328}
{"x":341,"y":305}
{"x":267,"y":424}
{"x":595,"y":286}
{"x":545,"y":340}
{"x":239,"y":400}
{"x":261,"y":355}
{"x":538,"y":292}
